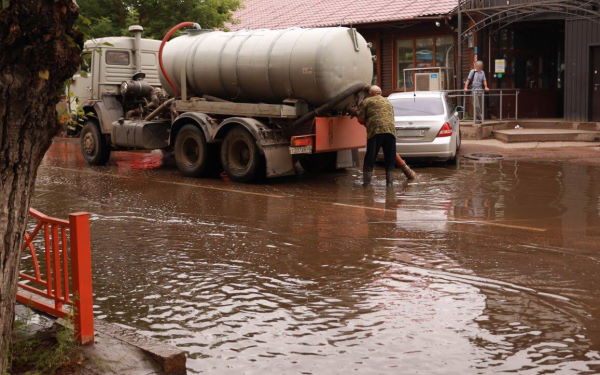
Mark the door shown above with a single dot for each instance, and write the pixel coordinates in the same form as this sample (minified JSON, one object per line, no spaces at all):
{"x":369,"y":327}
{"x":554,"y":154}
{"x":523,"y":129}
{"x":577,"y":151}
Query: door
{"x":534,"y":58}
{"x":81,"y":86}
{"x":595,"y":89}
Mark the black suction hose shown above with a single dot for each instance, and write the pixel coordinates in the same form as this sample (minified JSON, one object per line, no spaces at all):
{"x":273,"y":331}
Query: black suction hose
{"x":331,"y":103}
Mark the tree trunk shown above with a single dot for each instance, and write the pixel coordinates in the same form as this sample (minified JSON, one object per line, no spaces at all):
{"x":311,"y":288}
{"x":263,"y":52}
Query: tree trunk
{"x":38,"y":51}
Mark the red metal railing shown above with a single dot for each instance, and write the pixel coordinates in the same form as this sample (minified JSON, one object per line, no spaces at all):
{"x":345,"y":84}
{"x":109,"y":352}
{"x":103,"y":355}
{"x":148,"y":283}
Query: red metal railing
{"x":62,"y":279}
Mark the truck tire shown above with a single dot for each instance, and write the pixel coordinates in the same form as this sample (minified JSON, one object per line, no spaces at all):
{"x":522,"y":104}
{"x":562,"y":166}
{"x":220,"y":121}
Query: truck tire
{"x":318,"y":163}
{"x":240,"y":156}
{"x":94,"y":147}
{"x":191,"y":151}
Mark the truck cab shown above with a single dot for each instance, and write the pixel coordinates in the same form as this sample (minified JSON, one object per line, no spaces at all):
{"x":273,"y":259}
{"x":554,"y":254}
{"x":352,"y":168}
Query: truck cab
{"x":107,"y":62}
{"x":96,"y":91}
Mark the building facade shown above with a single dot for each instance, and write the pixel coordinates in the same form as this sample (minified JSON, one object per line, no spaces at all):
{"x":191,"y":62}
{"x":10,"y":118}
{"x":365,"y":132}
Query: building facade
{"x":547,"y":49}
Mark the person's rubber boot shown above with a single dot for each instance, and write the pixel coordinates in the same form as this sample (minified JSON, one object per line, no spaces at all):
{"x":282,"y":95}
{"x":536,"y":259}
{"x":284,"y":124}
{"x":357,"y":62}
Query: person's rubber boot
{"x":389,"y":177}
{"x":367,"y":176}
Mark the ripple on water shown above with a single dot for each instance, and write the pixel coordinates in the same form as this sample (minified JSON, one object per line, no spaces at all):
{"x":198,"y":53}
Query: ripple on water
{"x":263,"y":285}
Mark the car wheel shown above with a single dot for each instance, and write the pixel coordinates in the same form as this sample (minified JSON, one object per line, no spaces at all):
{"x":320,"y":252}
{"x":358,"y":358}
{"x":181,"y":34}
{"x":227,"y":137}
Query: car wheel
{"x":94,"y":147}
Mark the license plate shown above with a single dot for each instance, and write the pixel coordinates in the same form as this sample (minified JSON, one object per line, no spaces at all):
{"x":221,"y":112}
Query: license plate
{"x":301,"y":150}
{"x":410,"y":133}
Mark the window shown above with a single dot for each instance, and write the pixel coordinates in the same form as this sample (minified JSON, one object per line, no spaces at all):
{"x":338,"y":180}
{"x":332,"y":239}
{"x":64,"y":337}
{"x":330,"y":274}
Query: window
{"x":424,"y":53}
{"x":421,"y":53}
{"x":404,"y":60}
{"x":86,"y":63}
{"x":148,"y":59}
{"x":376,"y":63}
{"x":117,"y":58}
{"x":417,"y":106}
{"x":444,"y":52}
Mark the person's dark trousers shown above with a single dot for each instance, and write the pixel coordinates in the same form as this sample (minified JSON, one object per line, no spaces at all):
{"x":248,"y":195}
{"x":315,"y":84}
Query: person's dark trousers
{"x":388,"y":143}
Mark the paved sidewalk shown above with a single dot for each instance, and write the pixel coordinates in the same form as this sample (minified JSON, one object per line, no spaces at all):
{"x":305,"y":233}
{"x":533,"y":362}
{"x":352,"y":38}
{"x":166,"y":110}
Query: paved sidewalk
{"x":576,"y":152}
{"x":494,"y":143}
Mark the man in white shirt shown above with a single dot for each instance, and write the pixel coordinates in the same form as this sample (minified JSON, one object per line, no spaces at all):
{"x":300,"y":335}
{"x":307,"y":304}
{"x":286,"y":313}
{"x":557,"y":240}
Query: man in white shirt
{"x":478,"y":83}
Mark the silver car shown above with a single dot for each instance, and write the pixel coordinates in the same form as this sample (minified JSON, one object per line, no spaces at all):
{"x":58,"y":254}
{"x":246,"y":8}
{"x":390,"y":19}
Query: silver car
{"x":426,"y":126}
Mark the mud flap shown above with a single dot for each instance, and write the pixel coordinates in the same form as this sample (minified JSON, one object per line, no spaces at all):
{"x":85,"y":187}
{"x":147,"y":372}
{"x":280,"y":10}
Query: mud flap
{"x":347,"y":159}
{"x":279,"y":160}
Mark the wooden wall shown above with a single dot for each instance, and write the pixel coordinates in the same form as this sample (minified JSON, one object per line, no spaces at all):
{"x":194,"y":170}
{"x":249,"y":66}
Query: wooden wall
{"x":580,"y":35}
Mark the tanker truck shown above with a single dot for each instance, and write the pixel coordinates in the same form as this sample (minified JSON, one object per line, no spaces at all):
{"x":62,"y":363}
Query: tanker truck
{"x":253,"y":103}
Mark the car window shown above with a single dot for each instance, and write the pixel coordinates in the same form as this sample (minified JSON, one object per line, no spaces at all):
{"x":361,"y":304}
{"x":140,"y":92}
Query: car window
{"x":117,"y":57}
{"x":417,"y":106}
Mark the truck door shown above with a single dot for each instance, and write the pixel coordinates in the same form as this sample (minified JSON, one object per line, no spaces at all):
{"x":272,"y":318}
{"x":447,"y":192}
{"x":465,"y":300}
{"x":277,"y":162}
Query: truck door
{"x":82,"y":84}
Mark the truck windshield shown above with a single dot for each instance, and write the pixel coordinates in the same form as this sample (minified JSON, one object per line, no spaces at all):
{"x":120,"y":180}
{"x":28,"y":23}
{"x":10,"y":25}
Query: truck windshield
{"x":417,"y":106}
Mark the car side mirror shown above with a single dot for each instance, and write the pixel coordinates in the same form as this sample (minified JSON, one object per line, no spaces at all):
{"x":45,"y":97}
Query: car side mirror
{"x":459,"y":108}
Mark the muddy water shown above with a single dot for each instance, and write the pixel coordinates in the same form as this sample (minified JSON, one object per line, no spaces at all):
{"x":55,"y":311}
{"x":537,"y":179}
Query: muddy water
{"x":480,"y":268}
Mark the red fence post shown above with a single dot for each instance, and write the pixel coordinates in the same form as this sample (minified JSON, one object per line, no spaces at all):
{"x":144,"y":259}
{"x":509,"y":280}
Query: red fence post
{"x":81,"y":268}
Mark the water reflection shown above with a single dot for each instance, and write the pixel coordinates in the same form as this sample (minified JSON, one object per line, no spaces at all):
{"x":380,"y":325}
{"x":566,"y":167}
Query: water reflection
{"x":476,"y":269}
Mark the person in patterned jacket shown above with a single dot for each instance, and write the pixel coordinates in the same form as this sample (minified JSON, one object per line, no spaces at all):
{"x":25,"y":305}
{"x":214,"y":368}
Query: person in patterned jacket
{"x":377,"y":115}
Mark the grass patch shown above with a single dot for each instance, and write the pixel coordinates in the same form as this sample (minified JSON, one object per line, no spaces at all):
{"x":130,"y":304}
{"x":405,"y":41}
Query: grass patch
{"x":46,"y":351}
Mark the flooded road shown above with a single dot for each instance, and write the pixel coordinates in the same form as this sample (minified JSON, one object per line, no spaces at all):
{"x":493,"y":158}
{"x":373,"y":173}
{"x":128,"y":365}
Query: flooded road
{"x":479,"y":268}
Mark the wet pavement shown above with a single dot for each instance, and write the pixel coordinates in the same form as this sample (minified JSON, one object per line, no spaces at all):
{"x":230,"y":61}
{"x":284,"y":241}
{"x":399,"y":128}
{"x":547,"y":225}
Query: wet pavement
{"x":483,"y":267}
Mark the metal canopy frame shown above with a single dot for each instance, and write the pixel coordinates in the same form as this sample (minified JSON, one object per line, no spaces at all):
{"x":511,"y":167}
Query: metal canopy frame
{"x":495,"y":15}
{"x":486,"y":13}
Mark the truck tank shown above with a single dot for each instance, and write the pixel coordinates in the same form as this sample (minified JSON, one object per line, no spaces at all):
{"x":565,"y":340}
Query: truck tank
{"x":269,"y":65}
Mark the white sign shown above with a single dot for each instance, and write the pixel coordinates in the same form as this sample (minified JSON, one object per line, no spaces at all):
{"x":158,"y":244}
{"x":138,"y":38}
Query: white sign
{"x":500,"y":66}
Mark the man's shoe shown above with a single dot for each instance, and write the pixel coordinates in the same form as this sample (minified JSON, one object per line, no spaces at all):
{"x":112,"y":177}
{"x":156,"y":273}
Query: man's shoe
{"x":367,"y":176}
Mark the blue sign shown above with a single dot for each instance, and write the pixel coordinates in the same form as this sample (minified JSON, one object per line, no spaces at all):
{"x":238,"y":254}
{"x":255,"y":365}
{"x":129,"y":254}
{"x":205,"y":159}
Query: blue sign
{"x":434,"y":75}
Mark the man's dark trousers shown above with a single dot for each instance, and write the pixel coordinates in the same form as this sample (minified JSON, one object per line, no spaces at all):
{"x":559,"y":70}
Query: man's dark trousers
{"x":388,"y":143}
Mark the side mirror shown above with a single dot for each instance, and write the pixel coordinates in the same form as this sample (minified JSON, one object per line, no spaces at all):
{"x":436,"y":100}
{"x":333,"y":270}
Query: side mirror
{"x":459,"y":108}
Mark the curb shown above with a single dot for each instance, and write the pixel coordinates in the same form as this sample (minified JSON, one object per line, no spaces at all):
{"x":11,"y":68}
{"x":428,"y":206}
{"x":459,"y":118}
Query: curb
{"x":171,"y":359}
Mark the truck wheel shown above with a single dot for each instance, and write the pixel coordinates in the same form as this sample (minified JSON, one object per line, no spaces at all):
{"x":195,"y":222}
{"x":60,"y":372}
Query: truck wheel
{"x":94,"y":147}
{"x":318,"y":163}
{"x":241,"y":157}
{"x":191,"y":151}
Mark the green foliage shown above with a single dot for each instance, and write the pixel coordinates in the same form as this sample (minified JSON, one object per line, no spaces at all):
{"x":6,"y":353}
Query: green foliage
{"x":99,"y":18}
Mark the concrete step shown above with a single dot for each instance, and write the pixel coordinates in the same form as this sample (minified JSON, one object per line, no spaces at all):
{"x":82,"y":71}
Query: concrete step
{"x":544,"y":124}
{"x":545,"y":135}
{"x":552,"y":124}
